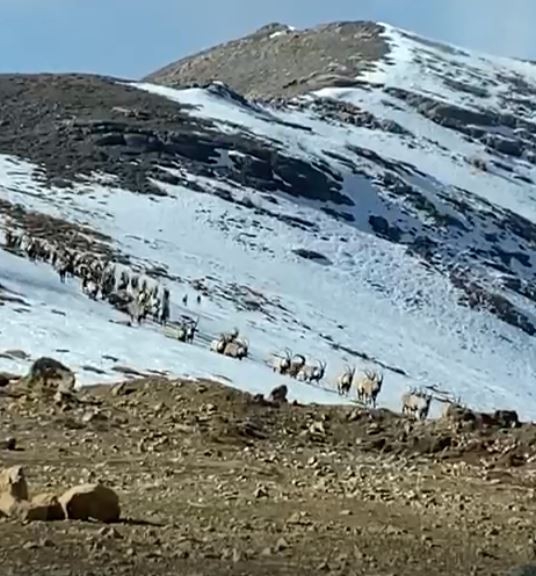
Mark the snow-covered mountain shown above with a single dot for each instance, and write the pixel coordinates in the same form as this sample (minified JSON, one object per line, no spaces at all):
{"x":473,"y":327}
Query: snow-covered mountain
{"x":390,"y":222}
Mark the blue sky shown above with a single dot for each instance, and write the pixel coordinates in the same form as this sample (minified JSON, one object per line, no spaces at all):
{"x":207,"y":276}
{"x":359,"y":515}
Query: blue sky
{"x":130,"y":38}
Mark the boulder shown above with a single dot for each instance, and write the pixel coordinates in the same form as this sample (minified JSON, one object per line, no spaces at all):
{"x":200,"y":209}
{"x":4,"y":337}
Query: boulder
{"x":506,"y":418}
{"x":43,"y":507}
{"x":49,"y":375}
{"x":8,"y":504}
{"x":279,"y":394}
{"x":13,"y":483}
{"x":91,"y":502}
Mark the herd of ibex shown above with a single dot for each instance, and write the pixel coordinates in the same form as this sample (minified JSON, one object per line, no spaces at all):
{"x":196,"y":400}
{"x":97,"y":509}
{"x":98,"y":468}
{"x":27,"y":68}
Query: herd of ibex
{"x":140,"y":300}
{"x":415,"y":403}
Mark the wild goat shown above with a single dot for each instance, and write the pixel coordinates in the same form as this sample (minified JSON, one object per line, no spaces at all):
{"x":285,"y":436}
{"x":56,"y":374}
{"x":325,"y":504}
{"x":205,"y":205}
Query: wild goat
{"x":236,"y":349}
{"x":187,"y":331}
{"x":310,"y":373}
{"x":219,"y":344}
{"x":345,"y":380}
{"x":10,"y":239}
{"x":124,"y":281}
{"x":191,"y":330}
{"x":230,"y":336}
{"x":164,"y":307}
{"x":296,"y":364}
{"x":416,"y":404}
{"x":280,"y":364}
{"x":368,"y":387}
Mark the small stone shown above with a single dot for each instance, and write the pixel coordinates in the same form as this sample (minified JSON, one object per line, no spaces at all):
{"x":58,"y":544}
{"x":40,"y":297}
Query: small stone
{"x":281,"y":545}
{"x":8,"y":444}
{"x":109,"y":532}
{"x":261,"y":492}
{"x":95,"y":416}
{"x":237,"y":556}
{"x":47,"y":543}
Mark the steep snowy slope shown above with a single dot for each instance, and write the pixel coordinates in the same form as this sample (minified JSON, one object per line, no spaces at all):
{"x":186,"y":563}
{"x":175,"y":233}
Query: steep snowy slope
{"x":390,"y":224}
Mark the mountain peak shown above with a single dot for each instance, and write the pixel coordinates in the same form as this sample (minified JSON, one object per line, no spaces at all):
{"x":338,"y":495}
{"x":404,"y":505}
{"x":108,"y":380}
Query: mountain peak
{"x":278,"y":60}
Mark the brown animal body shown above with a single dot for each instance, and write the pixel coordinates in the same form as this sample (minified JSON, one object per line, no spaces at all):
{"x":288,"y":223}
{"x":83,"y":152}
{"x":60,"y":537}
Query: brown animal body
{"x":368,"y":387}
{"x":416,"y":404}
{"x":236,"y":349}
{"x":296,"y":364}
{"x":345,"y":381}
{"x":280,"y":364}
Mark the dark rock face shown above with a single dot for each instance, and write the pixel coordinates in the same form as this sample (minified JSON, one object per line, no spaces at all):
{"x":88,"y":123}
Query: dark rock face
{"x":383,"y":229}
{"x":279,"y":61}
{"x":312,"y":255}
{"x":478,"y":124}
{"x":75,"y":125}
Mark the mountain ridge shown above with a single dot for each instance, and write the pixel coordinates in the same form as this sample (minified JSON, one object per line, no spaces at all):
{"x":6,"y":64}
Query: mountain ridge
{"x":278,"y":60}
{"x":406,"y":199}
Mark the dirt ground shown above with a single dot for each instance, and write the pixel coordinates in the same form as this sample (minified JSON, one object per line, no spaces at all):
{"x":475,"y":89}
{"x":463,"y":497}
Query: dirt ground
{"x":213,"y":482}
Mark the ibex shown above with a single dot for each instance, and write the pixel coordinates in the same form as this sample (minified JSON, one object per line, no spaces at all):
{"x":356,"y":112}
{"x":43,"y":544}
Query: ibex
{"x":186,"y":331}
{"x":236,"y":349}
{"x":230,"y":336}
{"x":416,"y":404}
{"x":11,"y":239}
{"x":345,"y":380}
{"x":296,"y":364}
{"x":310,"y":373}
{"x":191,"y":329}
{"x":369,"y":386}
{"x":164,"y":307}
{"x":218,"y":345}
{"x":281,"y":365}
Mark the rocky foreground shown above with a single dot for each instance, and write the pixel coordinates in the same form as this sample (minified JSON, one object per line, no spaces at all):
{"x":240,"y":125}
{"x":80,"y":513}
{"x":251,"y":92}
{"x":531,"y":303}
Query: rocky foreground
{"x":214,"y":481}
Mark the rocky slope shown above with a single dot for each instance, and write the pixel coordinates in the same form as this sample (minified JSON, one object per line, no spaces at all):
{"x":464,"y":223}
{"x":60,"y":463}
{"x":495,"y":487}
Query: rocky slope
{"x":278,"y":60}
{"x":405,"y":199}
{"x":212,"y":481}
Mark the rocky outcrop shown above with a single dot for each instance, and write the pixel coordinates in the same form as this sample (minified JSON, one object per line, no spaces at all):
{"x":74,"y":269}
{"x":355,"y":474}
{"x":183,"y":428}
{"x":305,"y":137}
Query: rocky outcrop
{"x":49,"y":376}
{"x":91,"y":502}
{"x":85,"y":125}
{"x":84,"y":502}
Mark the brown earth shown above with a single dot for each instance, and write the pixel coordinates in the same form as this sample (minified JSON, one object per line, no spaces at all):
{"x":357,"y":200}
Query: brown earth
{"x":277,"y":62}
{"x":212,"y":481}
